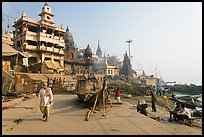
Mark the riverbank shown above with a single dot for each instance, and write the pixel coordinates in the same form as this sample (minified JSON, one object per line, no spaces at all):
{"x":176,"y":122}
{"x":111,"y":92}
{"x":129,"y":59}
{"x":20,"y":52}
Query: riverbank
{"x":162,"y":114}
{"x":67,"y":117}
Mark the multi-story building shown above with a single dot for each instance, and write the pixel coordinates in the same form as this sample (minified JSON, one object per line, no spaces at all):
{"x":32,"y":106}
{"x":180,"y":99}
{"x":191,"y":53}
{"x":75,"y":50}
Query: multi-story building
{"x":41,"y":40}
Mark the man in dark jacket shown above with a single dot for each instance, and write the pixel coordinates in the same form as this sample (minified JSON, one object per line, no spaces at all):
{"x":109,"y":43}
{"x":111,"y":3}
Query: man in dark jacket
{"x":153,"y":99}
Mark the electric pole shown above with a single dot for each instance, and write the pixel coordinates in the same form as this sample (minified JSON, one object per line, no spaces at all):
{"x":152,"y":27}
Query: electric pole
{"x":129,"y":41}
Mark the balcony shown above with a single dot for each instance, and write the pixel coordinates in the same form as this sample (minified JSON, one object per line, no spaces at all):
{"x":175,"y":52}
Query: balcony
{"x":31,"y":33}
{"x":43,"y":48}
{"x":32,"y":38}
{"x":56,"y":38}
{"x":43,"y":34}
{"x":61,"y":52}
{"x":30,"y":47}
{"x":56,"y":50}
{"x":50,"y":49}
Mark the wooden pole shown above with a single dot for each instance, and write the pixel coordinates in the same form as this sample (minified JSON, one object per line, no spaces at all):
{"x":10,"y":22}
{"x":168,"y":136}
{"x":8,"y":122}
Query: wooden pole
{"x":90,"y":112}
{"x":103,"y":103}
{"x":10,"y":86}
{"x":94,"y":107}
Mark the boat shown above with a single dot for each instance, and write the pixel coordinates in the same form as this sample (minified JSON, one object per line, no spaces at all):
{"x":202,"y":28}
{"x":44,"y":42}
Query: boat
{"x":85,"y":91}
{"x":190,"y":101}
{"x":96,"y":99}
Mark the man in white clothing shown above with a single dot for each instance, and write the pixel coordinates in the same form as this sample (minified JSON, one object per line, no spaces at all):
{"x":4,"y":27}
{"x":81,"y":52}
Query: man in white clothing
{"x":46,"y":98}
{"x":183,"y":113}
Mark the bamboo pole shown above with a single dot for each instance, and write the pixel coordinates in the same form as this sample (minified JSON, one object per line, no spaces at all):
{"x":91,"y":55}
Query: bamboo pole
{"x":10,"y":86}
{"x":94,"y":107}
{"x":103,"y":103}
{"x":90,"y":112}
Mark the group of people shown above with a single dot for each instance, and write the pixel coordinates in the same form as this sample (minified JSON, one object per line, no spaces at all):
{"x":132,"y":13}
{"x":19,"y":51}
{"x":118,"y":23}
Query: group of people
{"x":46,"y":98}
{"x":178,"y":114}
{"x":56,"y":81}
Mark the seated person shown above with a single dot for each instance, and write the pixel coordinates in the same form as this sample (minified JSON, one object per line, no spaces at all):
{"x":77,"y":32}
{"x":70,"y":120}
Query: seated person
{"x":173,"y":95}
{"x":141,"y":107}
{"x":174,"y":113}
{"x":183,"y":113}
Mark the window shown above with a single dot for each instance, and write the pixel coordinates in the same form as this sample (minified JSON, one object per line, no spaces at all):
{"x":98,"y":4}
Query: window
{"x":32,"y":28}
{"x":49,"y":44}
{"x":19,"y":30}
{"x":18,"y":44}
{"x":48,"y":17}
{"x":49,"y":31}
{"x":32,"y":43}
{"x":46,"y":58}
{"x":56,"y":33}
{"x":55,"y":46}
{"x":108,"y":72}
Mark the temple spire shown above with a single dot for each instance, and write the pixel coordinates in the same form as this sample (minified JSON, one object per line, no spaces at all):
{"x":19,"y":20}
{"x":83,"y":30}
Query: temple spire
{"x":67,"y":29}
{"x":98,"y":51}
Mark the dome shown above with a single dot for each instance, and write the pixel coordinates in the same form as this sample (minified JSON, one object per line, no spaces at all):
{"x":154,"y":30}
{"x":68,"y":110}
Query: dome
{"x":69,"y":40}
{"x":88,"y":51}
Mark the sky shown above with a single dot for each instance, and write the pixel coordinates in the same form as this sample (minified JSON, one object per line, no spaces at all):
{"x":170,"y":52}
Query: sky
{"x":166,"y":36}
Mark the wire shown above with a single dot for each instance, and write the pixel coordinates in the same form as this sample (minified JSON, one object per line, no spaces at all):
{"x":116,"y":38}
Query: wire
{"x":15,"y":8}
{"x":8,"y":16}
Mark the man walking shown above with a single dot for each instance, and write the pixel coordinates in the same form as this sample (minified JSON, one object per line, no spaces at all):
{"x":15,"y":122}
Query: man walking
{"x":46,"y":98}
{"x":153,"y":100}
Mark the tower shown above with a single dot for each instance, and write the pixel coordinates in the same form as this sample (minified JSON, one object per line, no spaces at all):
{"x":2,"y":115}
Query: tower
{"x":98,"y":51}
{"x":126,"y":69}
{"x":88,"y":55}
{"x":69,"y":40}
{"x":46,"y":15}
{"x":129,"y":41}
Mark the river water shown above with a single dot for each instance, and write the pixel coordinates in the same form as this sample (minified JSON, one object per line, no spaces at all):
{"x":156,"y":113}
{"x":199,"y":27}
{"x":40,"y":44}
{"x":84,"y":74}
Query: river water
{"x":199,"y":99}
{"x":180,"y":95}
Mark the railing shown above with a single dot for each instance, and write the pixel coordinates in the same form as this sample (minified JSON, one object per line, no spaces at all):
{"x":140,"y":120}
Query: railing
{"x":50,"y":49}
{"x":56,"y":50}
{"x":31,"y":33}
{"x":61,"y":52}
{"x":30,"y":47}
{"x":31,"y":37}
{"x":42,"y":48}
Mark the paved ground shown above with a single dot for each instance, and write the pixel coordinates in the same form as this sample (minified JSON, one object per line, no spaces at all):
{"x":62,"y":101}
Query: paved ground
{"x":68,"y":118}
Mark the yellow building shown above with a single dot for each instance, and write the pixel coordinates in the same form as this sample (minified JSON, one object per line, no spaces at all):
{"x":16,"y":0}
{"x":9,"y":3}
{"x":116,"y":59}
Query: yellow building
{"x":111,"y":70}
{"x":41,"y":40}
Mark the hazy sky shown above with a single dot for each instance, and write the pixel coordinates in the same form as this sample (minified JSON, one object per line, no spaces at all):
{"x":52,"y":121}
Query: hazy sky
{"x":167,"y":37}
